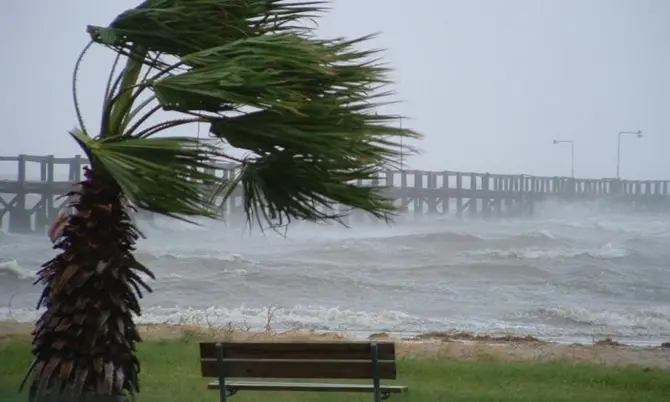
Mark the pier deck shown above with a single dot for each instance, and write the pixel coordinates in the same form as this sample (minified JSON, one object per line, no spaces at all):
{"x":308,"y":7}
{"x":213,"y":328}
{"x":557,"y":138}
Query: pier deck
{"x":30,"y":201}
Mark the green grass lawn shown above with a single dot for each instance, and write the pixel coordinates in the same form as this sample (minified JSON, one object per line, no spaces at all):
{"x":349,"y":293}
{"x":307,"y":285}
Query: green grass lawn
{"x":171,"y":373}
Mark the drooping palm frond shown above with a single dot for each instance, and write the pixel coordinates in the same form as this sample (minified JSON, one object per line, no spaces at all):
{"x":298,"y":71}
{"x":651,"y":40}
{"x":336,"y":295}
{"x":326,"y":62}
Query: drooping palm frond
{"x":169,"y":176}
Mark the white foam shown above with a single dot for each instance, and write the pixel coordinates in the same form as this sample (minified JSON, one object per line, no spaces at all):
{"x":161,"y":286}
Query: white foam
{"x":197,"y":253}
{"x":12,"y":267}
{"x":607,"y":251}
{"x":546,"y":233}
{"x":308,"y":317}
{"x":171,"y":275}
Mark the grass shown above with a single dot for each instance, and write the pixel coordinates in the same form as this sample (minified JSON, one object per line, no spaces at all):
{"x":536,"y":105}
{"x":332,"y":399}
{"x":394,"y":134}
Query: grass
{"x":170,"y":372}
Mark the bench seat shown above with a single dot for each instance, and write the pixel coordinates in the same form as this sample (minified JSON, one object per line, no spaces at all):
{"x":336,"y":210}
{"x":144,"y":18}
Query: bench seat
{"x":305,"y":386}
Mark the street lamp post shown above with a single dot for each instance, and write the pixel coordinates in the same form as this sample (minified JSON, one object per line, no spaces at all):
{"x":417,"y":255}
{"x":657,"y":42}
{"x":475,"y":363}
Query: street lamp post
{"x":572,"y":154}
{"x":637,"y":133}
{"x":402,"y":149}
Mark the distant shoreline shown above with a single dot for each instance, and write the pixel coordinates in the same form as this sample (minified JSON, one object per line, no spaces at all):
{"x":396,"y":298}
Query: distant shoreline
{"x":454,"y":345}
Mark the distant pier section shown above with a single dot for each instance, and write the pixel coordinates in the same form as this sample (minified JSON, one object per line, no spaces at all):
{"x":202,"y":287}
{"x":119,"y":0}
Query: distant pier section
{"x":30,"y":201}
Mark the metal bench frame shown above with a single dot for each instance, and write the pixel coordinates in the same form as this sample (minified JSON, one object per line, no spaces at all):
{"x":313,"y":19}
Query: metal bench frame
{"x":229,"y":389}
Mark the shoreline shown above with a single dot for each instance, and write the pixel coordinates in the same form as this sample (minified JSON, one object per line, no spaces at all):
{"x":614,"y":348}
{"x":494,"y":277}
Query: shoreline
{"x":11,"y":327}
{"x":448,"y":345}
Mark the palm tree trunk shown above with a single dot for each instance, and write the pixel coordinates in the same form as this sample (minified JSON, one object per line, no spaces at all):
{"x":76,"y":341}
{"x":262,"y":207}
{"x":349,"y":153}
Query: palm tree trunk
{"x":84,"y":343}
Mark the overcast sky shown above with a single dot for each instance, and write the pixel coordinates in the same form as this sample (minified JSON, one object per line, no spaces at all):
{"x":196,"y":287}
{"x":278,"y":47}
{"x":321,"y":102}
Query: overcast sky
{"x":490,"y":83}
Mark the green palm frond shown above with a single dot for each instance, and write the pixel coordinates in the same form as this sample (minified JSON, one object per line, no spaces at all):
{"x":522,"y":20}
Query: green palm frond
{"x":264,"y":72}
{"x":169,"y":176}
{"x":181,"y":27}
{"x":283,"y":186}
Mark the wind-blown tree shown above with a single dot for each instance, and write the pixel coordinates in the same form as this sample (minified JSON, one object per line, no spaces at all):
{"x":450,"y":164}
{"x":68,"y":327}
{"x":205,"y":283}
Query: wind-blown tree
{"x":255,"y":73}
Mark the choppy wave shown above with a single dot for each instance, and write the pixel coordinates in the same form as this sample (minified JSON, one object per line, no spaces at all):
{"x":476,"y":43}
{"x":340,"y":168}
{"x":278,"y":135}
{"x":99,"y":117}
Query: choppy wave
{"x":454,"y":236}
{"x":434,"y":275}
{"x":193,"y":255}
{"x":626,"y":322}
{"x":608,"y":251}
{"x":12,"y":269}
{"x":443,"y":236}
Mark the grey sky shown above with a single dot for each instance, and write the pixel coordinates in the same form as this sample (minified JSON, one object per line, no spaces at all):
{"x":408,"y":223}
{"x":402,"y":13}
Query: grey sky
{"x":490,"y":83}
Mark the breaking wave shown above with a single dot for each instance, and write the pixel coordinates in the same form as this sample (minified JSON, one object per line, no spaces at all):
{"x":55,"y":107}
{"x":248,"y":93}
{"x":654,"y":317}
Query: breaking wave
{"x":619,"y":322}
{"x":608,"y":251}
{"x":11,"y":268}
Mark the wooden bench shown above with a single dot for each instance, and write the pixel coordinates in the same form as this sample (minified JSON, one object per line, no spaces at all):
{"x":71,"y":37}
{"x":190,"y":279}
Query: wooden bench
{"x":299,"y":360}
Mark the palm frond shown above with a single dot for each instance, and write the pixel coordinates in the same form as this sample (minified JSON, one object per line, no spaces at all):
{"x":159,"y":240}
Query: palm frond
{"x":170,"y":176}
{"x":278,"y":71}
{"x":282,"y":186}
{"x":179,"y":27}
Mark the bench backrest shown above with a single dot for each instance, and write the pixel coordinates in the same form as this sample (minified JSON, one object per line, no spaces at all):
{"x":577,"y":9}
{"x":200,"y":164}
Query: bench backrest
{"x":323,"y":360}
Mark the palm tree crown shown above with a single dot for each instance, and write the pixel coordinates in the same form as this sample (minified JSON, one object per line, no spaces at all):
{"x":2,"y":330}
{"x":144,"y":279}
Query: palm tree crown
{"x":256,"y":73}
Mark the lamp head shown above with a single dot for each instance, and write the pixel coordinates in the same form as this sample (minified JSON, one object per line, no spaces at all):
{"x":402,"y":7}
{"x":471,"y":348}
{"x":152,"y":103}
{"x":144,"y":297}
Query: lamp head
{"x":639,"y":133}
{"x":555,"y":142}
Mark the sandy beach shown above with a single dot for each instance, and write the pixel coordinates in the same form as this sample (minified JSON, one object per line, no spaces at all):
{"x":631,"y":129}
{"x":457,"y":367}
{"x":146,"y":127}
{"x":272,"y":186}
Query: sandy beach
{"x":451,"y":345}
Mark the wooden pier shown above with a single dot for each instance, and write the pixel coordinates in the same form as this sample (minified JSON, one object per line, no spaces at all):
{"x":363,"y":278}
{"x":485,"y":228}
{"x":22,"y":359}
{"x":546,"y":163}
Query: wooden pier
{"x":29,"y":202}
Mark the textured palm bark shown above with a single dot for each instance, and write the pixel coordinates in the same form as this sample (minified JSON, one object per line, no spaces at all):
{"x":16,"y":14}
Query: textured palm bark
{"x":84,"y":343}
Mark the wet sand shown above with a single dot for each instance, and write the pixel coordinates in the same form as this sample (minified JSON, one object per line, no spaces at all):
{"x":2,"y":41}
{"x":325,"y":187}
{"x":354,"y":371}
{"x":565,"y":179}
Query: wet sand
{"x":454,"y":345}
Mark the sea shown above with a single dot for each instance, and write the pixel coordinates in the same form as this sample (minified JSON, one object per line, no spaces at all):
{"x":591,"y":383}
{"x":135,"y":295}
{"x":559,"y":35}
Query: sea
{"x":571,"y":273}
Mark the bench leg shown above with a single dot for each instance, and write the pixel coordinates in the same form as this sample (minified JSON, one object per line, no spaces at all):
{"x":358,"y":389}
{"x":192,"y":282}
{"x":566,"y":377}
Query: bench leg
{"x":385,"y":396}
{"x":223,"y":391}
{"x":375,"y":372}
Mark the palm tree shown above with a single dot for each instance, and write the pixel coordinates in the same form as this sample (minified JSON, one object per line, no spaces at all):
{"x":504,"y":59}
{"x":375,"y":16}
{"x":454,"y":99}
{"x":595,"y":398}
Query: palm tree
{"x":257,"y":75}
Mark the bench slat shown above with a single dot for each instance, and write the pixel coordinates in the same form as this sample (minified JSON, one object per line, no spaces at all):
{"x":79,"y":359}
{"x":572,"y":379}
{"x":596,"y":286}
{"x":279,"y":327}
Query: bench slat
{"x":306,"y":386}
{"x":289,"y":368}
{"x":298,"y":350}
